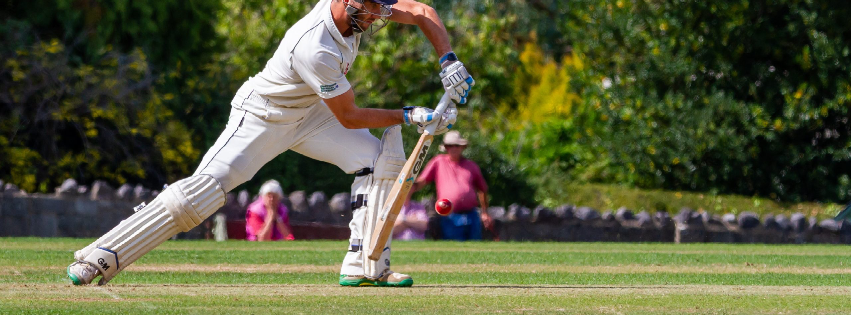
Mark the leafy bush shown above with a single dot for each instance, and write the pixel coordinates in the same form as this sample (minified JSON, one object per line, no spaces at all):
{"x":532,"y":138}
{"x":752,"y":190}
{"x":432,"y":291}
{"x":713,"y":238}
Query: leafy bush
{"x":737,"y":97}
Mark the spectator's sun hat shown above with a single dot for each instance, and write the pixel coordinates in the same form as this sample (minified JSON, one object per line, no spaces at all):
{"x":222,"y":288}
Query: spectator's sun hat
{"x":452,"y":138}
{"x":272,"y":186}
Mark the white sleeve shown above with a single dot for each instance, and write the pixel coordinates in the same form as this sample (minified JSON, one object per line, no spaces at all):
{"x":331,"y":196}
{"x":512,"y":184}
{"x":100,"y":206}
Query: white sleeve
{"x":321,"y":70}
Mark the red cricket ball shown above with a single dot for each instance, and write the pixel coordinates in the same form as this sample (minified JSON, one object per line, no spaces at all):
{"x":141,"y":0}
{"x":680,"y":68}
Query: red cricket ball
{"x":443,"y":206}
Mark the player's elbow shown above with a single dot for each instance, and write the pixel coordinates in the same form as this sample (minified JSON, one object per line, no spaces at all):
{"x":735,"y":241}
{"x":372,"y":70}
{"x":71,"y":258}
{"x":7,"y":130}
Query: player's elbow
{"x":424,"y":13}
{"x":350,"y":121}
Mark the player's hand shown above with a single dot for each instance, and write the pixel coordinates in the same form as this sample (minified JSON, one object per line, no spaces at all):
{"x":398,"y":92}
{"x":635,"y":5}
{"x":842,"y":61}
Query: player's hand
{"x":487,"y":221}
{"x":422,"y":117}
{"x":271,"y":216}
{"x":457,"y":81}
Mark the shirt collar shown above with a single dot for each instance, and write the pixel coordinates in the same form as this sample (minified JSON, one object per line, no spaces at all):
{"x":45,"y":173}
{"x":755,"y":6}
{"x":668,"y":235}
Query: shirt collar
{"x":332,"y":28}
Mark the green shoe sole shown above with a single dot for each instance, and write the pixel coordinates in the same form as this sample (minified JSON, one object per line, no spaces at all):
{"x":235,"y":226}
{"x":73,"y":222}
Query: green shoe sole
{"x":73,"y":277}
{"x":403,"y":283}
{"x":361,"y":282}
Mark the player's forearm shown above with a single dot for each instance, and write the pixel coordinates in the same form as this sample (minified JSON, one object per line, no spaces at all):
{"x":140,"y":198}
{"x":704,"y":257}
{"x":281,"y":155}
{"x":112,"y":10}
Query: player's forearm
{"x":284,"y":230}
{"x":416,"y":186}
{"x":483,"y":200}
{"x":353,"y":117}
{"x":265,"y":233}
{"x":419,"y":225}
{"x":360,"y":118}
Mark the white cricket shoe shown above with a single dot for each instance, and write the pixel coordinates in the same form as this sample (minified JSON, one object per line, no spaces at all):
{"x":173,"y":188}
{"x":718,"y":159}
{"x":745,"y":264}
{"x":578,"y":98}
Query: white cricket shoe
{"x":395,"y":279}
{"x":82,"y":272}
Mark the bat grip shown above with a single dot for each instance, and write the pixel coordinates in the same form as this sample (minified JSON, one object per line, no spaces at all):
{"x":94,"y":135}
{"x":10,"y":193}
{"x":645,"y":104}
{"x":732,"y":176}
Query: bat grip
{"x":444,"y":103}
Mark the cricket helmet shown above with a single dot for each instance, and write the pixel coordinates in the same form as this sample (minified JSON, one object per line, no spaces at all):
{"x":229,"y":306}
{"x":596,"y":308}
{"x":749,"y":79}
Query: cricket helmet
{"x":358,"y":14}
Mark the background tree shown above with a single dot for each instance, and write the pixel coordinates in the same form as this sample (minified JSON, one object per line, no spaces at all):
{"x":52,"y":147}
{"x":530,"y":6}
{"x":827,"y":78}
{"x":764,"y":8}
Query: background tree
{"x":737,"y":97}
{"x":85,"y":93}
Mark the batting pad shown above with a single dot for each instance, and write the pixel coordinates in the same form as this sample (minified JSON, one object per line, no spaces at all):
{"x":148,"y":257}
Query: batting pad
{"x":388,"y":164}
{"x":375,"y":187}
{"x":179,"y":208}
{"x":374,"y":269}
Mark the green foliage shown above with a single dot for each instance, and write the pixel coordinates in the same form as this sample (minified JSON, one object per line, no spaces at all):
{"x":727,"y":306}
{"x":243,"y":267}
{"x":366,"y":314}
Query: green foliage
{"x":169,"y":32}
{"x":252,"y":31}
{"x":507,"y":183}
{"x":735,"y":97}
{"x":93,"y":121}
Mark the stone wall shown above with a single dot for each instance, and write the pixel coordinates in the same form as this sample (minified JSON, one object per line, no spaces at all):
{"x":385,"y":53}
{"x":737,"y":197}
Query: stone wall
{"x":80,"y":211}
{"x":582,"y":224}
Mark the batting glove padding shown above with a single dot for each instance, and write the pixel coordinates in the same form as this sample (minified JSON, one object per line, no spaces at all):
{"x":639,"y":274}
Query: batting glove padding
{"x":422,"y":117}
{"x":457,"y":82}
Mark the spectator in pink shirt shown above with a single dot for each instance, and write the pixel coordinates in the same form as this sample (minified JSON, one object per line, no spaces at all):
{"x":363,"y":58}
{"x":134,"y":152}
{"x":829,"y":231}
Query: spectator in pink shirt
{"x":459,"y":180}
{"x":267,"y":219}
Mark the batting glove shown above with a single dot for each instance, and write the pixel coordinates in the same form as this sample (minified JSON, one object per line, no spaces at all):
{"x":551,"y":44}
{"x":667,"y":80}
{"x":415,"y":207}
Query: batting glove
{"x":455,"y":78}
{"x":422,"y":117}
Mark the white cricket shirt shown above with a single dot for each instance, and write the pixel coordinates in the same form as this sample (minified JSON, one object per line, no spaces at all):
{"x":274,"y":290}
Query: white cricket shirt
{"x":311,"y":62}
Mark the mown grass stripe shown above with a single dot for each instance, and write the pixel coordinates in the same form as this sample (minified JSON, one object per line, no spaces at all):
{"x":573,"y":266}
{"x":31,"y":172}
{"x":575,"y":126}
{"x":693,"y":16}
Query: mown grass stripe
{"x":450,"y":278}
{"x":467,"y":268}
{"x":129,"y":291}
{"x":70,"y":245}
{"x":209,"y":257}
{"x":471,"y":278}
{"x":257,"y":299}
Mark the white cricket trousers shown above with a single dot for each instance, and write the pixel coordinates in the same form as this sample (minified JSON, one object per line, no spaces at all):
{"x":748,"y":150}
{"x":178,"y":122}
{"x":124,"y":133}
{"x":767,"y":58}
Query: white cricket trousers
{"x":257,"y":132}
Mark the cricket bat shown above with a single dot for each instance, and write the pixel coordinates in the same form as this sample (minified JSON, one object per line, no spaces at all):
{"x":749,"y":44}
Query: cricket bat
{"x":399,"y":191}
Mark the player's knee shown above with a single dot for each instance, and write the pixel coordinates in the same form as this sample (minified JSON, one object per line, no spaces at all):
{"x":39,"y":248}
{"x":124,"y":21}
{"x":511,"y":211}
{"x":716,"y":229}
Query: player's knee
{"x":391,"y":157}
{"x":192,"y":200}
{"x":368,"y":148}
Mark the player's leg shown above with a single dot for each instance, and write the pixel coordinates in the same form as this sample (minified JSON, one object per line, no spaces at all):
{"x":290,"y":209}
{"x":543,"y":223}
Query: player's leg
{"x":179,"y":208}
{"x":247,"y":143}
{"x":475,"y":228}
{"x":376,"y":165}
{"x":452,"y":226}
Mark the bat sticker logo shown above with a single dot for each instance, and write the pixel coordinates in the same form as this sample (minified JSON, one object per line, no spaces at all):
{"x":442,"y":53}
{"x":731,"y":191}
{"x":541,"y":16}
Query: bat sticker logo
{"x":421,"y":157}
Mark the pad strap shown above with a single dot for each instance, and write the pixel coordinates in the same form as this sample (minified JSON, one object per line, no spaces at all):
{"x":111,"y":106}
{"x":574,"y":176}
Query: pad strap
{"x":364,"y":171}
{"x":355,"y":245}
{"x":358,"y":201}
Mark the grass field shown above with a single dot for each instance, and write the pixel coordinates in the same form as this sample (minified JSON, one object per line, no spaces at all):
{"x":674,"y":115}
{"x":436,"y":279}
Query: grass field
{"x":237,"y":277}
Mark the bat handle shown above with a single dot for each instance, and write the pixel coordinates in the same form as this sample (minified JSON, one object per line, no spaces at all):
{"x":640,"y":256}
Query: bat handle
{"x":445,"y":101}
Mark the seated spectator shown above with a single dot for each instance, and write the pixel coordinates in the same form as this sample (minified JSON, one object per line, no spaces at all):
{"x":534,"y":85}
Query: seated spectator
{"x":267,"y":219}
{"x":412,"y":221}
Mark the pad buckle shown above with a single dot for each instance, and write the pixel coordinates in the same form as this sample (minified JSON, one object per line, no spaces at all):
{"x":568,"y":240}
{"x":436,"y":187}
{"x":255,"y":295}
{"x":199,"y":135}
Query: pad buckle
{"x":358,"y":201}
{"x":140,"y":207}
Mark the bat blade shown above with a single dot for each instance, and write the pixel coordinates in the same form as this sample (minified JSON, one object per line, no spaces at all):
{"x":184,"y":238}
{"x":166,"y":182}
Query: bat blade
{"x":397,"y":196}
{"x":399,"y":191}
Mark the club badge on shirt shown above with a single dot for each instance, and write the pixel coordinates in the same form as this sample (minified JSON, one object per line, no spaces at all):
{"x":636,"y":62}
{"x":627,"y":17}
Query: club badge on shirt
{"x":328,"y":87}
